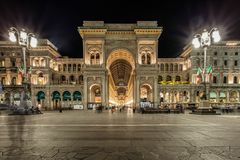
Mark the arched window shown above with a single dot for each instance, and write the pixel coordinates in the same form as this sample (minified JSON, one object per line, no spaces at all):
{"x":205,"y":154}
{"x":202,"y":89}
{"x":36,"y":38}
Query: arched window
{"x":43,"y":63}
{"x":81,"y":79}
{"x":171,"y":67}
{"x":160,"y":78}
{"x":143,"y":59}
{"x":92,"y":59}
{"x":3,"y":81}
{"x":64,"y":67}
{"x":148,"y":59}
{"x":162,"y":67}
{"x":169,"y":78}
{"x":176,"y":67}
{"x":166,"y":67}
{"x":214,"y":79}
{"x":14,"y":81}
{"x":74,"y":67}
{"x":72,"y":78}
{"x":235,"y":80}
{"x":181,"y":67}
{"x":60,"y":67}
{"x":97,"y":58}
{"x":69,"y":67}
{"x":63,"y":78}
{"x":79,"y":67}
{"x":178,"y":78}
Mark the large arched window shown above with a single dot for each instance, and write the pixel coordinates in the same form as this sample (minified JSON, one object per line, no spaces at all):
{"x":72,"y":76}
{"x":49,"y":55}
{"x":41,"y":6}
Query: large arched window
{"x":97,"y":58}
{"x":169,"y":78}
{"x":92,"y":59}
{"x":148,"y":59}
{"x":143,"y":59}
{"x":178,"y":78}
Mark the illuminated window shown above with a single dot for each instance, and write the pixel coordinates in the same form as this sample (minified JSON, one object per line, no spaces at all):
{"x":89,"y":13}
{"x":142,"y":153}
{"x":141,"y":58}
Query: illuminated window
{"x":92,"y":59}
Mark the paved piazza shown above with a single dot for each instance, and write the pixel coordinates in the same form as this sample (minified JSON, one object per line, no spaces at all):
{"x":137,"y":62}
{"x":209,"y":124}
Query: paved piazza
{"x":86,"y":135}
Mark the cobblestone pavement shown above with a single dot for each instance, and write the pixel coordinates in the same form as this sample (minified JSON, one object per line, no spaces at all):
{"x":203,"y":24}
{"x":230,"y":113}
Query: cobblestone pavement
{"x":86,"y":135}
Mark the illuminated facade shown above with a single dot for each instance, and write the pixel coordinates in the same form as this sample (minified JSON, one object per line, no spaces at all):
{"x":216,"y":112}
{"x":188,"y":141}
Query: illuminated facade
{"x":120,"y":66}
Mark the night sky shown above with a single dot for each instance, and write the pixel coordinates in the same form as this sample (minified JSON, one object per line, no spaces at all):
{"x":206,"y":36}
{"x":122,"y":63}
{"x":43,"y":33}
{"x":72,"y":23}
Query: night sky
{"x":58,"y":21}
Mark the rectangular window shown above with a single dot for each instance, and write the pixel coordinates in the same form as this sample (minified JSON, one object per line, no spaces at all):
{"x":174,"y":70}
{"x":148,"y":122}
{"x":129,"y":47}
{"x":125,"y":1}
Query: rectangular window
{"x":225,"y":63}
{"x":235,"y":63}
{"x":215,"y":63}
{"x":215,"y":53}
{"x":224,"y":79}
{"x":236,"y":53}
{"x":226,"y":53}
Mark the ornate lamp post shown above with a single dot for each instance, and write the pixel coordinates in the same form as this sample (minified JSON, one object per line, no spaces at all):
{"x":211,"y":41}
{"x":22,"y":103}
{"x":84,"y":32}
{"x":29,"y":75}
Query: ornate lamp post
{"x":204,"y":40}
{"x":25,"y":40}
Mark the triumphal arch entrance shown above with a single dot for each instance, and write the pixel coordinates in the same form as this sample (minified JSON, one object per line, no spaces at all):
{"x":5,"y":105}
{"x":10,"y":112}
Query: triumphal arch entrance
{"x":120,"y":63}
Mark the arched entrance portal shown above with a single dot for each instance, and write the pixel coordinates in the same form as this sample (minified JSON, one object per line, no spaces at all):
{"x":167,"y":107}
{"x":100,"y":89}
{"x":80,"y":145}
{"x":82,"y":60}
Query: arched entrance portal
{"x":121,"y":66}
{"x":146,"y":96}
{"x":40,"y":99}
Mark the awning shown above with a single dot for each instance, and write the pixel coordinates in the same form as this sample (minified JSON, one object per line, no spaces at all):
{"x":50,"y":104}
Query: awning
{"x":40,"y":95}
{"x":213,"y":95}
{"x":56,"y":95}
{"x":66,"y":95}
{"x":222,"y":95}
{"x":77,"y":96}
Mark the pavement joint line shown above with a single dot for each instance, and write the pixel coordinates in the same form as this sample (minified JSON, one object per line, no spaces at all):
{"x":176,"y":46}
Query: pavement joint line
{"x":108,"y":125}
{"x":198,"y":121}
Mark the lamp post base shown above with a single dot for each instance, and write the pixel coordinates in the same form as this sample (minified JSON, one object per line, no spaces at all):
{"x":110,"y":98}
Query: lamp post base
{"x":204,"y":109}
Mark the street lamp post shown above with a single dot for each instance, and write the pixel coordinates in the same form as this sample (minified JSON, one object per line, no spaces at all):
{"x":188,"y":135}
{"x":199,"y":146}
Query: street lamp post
{"x":25,"y":40}
{"x":204,"y":40}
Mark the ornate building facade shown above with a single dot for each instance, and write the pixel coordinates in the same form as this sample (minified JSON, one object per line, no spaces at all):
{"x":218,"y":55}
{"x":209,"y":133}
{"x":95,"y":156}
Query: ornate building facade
{"x":120,"y":66}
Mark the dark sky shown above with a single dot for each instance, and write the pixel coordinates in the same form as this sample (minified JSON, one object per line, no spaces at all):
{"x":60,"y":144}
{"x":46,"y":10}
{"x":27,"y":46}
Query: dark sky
{"x":180,"y":19}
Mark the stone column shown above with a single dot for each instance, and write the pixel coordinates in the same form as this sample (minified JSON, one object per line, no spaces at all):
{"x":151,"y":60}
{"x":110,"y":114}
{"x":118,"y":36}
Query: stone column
{"x":107,"y":90}
{"x":137,"y":92}
{"x":103,"y":90}
{"x":85,"y":94}
{"x":156,"y":99}
{"x":134,"y":90}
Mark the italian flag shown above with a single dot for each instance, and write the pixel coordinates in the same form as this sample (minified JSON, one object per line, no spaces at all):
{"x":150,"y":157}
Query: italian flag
{"x":199,"y":75}
{"x":209,"y":71}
